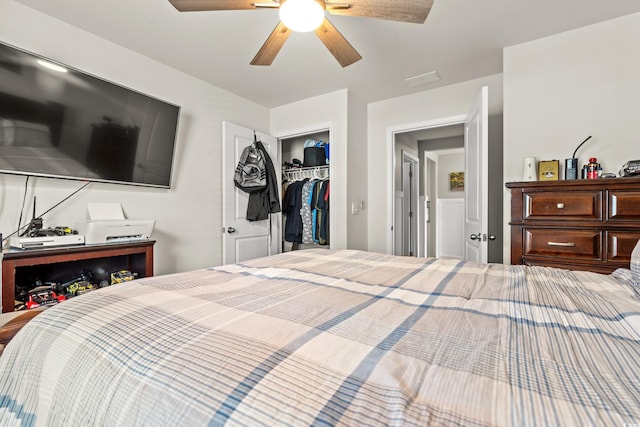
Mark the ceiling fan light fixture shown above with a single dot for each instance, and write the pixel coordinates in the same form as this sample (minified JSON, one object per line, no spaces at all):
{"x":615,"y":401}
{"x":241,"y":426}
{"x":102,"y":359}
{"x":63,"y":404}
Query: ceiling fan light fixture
{"x":301,"y":15}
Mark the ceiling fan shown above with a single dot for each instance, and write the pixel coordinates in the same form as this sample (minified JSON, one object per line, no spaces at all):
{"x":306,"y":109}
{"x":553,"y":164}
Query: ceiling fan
{"x":414,"y":11}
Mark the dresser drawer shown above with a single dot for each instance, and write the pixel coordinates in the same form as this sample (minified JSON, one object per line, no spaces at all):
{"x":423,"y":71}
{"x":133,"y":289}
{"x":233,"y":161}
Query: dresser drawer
{"x":620,"y":244}
{"x":623,"y":205}
{"x":563,"y":206}
{"x":559,"y":243}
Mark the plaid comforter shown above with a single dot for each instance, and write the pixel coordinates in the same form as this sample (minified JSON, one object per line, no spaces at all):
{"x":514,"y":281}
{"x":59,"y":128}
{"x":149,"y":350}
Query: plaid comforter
{"x":334,"y":338}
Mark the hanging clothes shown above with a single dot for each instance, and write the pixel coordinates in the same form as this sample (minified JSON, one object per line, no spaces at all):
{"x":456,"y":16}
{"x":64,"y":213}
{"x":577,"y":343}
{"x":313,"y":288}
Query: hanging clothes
{"x":315,"y":214}
{"x":307,"y":212}
{"x":291,"y":207}
{"x":306,"y":208}
{"x":323,"y":213}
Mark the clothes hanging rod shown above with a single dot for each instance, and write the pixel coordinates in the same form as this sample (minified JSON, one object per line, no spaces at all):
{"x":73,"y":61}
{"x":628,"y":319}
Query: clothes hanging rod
{"x":308,"y":168}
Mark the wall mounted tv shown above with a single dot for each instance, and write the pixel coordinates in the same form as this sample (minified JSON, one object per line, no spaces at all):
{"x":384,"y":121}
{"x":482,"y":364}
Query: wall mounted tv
{"x":56,"y":121}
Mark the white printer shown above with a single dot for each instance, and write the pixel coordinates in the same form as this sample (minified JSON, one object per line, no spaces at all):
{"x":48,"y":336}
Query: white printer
{"x":107,"y":224}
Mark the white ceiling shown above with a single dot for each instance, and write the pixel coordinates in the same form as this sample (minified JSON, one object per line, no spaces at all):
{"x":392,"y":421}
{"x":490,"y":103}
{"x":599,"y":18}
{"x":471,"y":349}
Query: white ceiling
{"x":461,"y":39}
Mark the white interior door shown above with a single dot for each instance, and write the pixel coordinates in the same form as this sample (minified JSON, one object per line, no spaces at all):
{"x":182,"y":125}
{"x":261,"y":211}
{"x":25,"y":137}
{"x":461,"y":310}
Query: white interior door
{"x":476,"y":186}
{"x":242,"y":239}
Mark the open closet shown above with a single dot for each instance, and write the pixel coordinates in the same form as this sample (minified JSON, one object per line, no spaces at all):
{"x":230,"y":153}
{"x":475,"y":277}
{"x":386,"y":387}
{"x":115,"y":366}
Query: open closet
{"x":306,"y":189}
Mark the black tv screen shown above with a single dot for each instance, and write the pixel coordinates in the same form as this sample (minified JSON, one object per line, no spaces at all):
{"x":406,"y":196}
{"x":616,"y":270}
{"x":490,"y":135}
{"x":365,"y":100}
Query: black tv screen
{"x":56,"y":121}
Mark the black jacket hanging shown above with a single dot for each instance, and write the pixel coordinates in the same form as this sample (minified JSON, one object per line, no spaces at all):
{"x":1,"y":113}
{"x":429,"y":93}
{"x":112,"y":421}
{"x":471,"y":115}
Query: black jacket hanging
{"x":267,"y":200}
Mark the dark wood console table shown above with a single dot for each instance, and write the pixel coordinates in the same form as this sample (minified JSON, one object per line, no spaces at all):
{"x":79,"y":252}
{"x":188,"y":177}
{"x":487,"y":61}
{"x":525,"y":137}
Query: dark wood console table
{"x":24,"y":267}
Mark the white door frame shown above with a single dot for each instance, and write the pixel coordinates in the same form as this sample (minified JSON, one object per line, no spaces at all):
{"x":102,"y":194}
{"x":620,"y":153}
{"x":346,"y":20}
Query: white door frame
{"x":391,"y":155}
{"x":412,"y":232}
{"x":430,"y":217}
{"x":398,"y":203}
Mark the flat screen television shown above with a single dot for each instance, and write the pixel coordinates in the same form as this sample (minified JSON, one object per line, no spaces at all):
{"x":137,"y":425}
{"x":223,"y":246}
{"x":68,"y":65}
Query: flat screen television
{"x":56,"y":121}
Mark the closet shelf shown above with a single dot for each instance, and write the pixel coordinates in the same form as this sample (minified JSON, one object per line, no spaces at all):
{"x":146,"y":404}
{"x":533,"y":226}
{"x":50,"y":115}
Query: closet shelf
{"x":320,"y":172}
{"x":324,"y":167}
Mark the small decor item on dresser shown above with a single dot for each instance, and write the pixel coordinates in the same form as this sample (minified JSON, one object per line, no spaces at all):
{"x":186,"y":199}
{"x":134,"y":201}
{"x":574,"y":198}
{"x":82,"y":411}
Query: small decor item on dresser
{"x":630,"y":168}
{"x":571,"y":165}
{"x":571,"y":169}
{"x":592,"y":169}
{"x":548,"y":170}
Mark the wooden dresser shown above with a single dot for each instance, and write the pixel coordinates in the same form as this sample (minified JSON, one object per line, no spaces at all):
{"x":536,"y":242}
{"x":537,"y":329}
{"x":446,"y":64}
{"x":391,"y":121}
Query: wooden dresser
{"x":579,"y":224}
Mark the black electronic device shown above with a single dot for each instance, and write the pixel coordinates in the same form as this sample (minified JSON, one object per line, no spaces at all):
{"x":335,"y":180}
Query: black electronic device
{"x":56,"y":121}
{"x":34,"y":236}
{"x":571,"y":165}
{"x":571,"y":168}
{"x":35,"y":225}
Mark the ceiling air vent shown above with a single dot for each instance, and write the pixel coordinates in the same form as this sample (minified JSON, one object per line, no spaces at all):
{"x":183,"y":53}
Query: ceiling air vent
{"x":422,"y":79}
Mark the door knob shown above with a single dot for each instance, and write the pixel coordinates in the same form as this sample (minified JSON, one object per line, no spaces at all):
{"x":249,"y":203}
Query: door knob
{"x":491,"y":237}
{"x":231,"y":230}
{"x":476,"y":236}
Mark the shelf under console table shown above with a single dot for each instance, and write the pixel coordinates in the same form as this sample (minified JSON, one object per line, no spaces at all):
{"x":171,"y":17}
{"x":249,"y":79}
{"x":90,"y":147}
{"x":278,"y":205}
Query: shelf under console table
{"x":588,"y":225}
{"x":67,"y":262}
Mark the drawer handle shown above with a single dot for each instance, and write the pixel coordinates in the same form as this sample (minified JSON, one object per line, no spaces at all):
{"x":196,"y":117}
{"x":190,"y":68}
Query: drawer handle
{"x":560,"y":205}
{"x":563,"y":244}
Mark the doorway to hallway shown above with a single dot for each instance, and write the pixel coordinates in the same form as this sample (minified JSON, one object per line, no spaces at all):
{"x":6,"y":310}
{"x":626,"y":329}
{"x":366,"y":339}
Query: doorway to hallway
{"x":433,"y":152}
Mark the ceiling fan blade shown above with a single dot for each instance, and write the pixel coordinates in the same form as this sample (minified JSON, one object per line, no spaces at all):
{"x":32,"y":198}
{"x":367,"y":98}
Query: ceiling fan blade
{"x":339,"y":47}
{"x":199,"y":5}
{"x":272,"y":46}
{"x":415,"y":11}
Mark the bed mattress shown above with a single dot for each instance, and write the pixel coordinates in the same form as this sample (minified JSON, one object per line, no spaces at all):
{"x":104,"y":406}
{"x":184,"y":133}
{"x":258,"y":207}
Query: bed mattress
{"x":330,"y":338}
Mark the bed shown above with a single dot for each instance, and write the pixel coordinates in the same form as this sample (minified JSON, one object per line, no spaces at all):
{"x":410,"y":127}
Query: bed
{"x":329,"y":338}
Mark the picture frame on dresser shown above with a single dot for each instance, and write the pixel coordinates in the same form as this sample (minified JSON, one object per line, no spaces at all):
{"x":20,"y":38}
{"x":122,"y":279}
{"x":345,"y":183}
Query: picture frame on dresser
{"x":590,"y":225}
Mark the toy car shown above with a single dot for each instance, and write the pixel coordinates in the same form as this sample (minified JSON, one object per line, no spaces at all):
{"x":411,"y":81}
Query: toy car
{"x":122,"y":276}
{"x":79,"y":287}
{"x":43,"y":295}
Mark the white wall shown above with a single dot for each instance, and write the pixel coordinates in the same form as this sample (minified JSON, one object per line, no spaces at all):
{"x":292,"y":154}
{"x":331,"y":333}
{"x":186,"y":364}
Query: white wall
{"x":411,"y":111}
{"x":560,"y":89}
{"x":189,"y":215}
{"x":357,"y":166}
